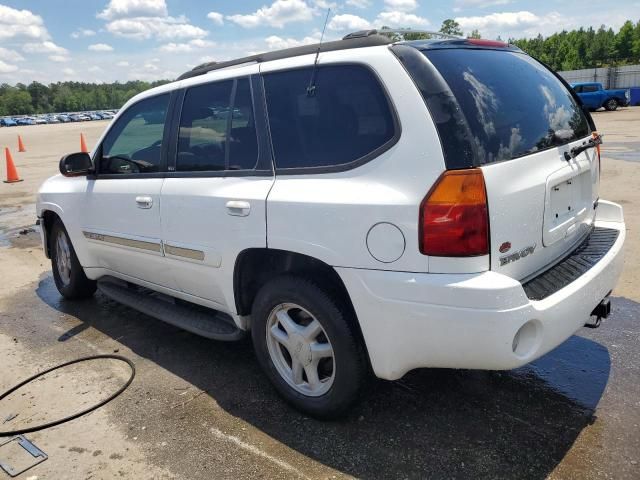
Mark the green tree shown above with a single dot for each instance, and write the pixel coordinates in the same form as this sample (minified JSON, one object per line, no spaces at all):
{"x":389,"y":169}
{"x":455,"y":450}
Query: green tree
{"x":474,"y":34}
{"x":451,"y":27}
{"x":623,"y":42}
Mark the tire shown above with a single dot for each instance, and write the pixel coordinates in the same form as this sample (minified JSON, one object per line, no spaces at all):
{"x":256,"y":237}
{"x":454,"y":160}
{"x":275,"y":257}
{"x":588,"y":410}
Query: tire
{"x":341,"y":377}
{"x":611,"y":105}
{"x":68,"y":274}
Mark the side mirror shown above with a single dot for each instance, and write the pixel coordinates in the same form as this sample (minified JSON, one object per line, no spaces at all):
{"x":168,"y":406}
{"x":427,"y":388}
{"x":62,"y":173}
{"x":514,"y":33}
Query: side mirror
{"x":76,"y":164}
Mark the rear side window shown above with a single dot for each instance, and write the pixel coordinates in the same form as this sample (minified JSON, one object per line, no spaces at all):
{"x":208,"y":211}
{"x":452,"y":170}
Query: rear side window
{"x":217,"y":129}
{"x":347,"y":118}
{"x":512,"y":104}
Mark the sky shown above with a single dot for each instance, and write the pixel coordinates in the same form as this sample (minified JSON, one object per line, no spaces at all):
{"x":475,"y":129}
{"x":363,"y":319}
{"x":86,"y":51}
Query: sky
{"x":121,"y":40}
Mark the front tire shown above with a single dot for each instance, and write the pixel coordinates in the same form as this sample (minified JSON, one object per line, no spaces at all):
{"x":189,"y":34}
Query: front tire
{"x":611,"y":105}
{"x":307,"y":345}
{"x":68,"y":274}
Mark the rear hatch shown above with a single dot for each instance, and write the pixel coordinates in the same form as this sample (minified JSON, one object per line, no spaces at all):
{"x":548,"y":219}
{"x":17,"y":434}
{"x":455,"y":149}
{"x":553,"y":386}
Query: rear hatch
{"x":521,"y":124}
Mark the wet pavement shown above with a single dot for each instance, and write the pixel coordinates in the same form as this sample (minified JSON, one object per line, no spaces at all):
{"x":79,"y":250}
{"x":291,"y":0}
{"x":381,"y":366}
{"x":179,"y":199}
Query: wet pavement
{"x":572,"y":414}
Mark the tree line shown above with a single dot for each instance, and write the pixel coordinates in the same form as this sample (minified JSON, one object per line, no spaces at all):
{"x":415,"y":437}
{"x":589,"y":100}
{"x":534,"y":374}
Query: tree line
{"x":566,"y":50}
{"x":68,"y":96}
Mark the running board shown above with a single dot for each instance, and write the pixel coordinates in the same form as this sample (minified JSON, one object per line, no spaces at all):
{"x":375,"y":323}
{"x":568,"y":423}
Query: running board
{"x":195,"y":319}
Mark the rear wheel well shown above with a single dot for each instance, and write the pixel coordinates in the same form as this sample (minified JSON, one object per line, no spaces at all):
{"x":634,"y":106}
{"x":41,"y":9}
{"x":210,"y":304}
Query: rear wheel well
{"x":257,"y":266}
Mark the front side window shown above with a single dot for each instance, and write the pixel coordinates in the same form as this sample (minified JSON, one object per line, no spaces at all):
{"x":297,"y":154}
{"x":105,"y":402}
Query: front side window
{"x":589,"y":88}
{"x":346,"y":117}
{"x":134,"y":143}
{"x":217,"y":128}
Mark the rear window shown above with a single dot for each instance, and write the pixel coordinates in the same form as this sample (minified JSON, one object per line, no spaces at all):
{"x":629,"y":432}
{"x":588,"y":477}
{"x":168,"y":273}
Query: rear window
{"x":512,"y":104}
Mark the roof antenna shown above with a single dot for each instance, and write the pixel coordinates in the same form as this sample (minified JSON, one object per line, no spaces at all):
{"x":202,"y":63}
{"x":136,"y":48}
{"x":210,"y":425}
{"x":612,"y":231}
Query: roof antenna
{"x":311,"y":89}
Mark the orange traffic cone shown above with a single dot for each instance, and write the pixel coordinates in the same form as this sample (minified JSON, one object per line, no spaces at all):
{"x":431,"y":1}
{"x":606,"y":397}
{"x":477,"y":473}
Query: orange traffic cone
{"x":83,"y":144}
{"x":12,"y":173}
{"x":21,"y":145}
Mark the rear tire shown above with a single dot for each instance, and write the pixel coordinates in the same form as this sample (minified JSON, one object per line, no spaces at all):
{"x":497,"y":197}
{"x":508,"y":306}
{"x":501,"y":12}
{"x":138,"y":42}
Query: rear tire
{"x":68,"y":274}
{"x":307,"y":345}
{"x":611,"y":105}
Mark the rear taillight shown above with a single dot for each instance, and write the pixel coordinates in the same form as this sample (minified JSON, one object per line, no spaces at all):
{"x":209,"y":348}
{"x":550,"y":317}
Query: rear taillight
{"x":454,"y":220}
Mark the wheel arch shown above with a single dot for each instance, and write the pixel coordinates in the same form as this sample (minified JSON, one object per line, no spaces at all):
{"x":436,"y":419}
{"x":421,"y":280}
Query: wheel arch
{"x":47,"y":219}
{"x":254,"y":267}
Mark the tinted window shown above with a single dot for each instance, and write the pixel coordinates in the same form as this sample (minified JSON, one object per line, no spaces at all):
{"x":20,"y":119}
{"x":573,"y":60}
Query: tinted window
{"x":217,"y":129}
{"x":347,"y":117}
{"x":512,"y":104}
{"x":589,"y":88}
{"x":134,"y":143}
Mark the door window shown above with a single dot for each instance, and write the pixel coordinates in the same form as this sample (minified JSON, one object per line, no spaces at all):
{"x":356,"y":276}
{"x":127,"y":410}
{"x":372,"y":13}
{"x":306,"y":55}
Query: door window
{"x":134,"y":143}
{"x":217,"y":128}
{"x":589,"y":88}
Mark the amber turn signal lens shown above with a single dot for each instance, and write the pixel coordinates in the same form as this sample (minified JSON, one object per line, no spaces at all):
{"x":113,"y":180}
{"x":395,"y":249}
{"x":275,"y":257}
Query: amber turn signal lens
{"x":454,"y":220}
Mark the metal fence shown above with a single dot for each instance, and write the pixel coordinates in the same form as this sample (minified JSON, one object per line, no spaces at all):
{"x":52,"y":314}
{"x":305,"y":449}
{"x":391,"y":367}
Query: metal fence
{"x":610,"y":77}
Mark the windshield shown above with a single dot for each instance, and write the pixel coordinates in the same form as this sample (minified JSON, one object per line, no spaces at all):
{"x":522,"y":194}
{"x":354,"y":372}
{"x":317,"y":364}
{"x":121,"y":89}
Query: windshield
{"x":512,"y":104}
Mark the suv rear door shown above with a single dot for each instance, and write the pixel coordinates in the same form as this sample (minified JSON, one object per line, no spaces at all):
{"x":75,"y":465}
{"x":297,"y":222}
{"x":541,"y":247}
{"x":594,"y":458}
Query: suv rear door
{"x":213,"y":202}
{"x":519,"y":123}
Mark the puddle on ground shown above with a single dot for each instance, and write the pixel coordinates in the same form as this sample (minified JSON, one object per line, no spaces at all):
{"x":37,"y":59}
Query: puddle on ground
{"x":629,"y":151}
{"x":18,"y":228}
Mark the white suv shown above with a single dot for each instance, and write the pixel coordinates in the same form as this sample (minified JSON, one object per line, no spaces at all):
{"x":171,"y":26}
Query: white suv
{"x":359,"y":205}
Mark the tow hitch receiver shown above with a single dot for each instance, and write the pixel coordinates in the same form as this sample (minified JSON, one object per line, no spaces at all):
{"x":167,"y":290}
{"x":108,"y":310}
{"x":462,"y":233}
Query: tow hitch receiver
{"x":601,"y":311}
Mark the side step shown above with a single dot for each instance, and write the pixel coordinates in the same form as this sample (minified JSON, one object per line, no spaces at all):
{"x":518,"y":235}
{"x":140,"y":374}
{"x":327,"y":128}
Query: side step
{"x":195,"y":319}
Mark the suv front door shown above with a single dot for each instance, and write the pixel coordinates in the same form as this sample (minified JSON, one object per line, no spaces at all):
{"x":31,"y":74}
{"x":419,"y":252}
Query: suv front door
{"x":121,"y":214}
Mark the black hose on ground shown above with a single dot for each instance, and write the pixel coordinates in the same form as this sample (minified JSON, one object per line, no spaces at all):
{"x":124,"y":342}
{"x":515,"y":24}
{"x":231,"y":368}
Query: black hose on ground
{"x":78,"y":414}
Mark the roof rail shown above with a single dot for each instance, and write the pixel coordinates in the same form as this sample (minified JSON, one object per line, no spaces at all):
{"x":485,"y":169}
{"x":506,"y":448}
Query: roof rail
{"x":356,"y":41}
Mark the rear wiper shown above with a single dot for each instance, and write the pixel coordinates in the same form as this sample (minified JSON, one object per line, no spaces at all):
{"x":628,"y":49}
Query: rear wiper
{"x":591,"y":143}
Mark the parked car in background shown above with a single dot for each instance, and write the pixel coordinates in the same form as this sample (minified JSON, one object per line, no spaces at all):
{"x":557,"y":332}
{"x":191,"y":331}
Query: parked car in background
{"x":594,"y":96}
{"x":94,"y":116}
{"x":26,"y":121}
{"x":64,"y":118}
{"x":40,"y":120}
{"x":8,"y":122}
{"x":52,"y":119}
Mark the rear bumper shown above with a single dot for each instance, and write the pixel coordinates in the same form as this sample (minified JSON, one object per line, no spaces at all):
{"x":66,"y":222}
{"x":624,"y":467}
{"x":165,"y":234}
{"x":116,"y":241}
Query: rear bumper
{"x":413,"y":320}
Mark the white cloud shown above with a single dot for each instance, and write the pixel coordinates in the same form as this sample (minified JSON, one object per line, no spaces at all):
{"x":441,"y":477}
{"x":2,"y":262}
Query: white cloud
{"x":10,"y":55}
{"x":100,"y":47}
{"x":517,"y":24}
{"x":401,"y":20}
{"x":194,"y":44}
{"x":277,"y":15}
{"x":122,"y":63}
{"x":348,"y":22}
{"x":7,"y":68}
{"x":460,"y":4}
{"x":94,"y":69}
{"x":21,"y":23}
{"x":216,"y":18}
{"x":359,"y":3}
{"x":68,"y":71}
{"x":278,"y":43}
{"x":83,"y":32}
{"x":59,"y":58}
{"x":401,"y":5}
{"x":163,"y":28}
{"x":134,"y":8}
{"x":44,"y":47}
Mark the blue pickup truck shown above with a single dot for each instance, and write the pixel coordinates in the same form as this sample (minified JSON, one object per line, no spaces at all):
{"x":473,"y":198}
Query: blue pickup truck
{"x":594,"y":96}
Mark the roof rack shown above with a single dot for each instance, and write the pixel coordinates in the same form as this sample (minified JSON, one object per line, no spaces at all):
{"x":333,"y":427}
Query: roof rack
{"x":365,"y":38}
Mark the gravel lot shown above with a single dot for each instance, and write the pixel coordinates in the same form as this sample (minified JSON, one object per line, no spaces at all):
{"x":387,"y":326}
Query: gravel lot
{"x":201,"y":409}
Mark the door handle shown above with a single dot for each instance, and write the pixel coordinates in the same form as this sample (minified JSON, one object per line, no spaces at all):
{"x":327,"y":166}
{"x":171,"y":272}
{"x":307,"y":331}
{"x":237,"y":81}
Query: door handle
{"x":144,"y":202}
{"x":239,"y":208}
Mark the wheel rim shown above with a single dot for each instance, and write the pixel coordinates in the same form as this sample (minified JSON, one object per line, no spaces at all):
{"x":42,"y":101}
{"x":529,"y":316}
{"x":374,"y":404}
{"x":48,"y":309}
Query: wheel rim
{"x":63,"y":258}
{"x":612,"y":103}
{"x":300,"y":349}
